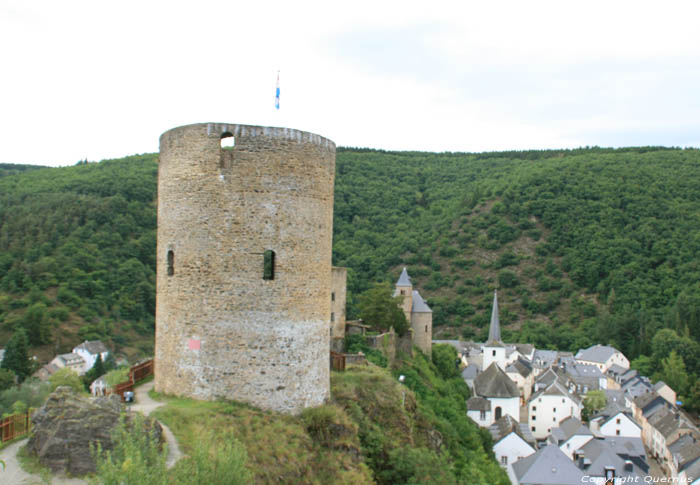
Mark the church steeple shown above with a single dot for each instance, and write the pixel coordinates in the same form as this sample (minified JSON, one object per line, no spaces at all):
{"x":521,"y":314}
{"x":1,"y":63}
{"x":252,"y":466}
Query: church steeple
{"x":495,"y":328}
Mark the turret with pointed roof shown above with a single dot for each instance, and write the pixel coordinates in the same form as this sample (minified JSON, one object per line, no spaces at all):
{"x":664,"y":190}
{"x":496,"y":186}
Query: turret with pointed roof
{"x":417,"y":312}
{"x":495,"y":327}
{"x":494,"y":349}
{"x":404,"y":289}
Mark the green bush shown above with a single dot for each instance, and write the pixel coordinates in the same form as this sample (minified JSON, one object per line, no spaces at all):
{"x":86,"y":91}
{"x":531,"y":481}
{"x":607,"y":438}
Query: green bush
{"x":508,"y":279}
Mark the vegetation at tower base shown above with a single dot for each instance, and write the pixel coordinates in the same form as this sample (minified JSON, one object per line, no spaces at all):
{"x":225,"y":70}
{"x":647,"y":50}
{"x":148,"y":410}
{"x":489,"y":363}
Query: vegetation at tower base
{"x":587,"y":246}
{"x":374,"y":430}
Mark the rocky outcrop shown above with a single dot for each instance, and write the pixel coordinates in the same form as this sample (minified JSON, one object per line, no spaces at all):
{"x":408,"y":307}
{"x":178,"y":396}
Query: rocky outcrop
{"x":68,"y":425}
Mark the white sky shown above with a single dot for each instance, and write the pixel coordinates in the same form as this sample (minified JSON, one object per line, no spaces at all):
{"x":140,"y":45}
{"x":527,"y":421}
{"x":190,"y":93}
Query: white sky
{"x":96,"y":79}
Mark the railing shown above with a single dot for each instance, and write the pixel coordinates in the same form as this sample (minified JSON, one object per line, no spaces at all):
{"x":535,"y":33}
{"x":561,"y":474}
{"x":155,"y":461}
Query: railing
{"x":14,"y":426}
{"x":137,"y":373}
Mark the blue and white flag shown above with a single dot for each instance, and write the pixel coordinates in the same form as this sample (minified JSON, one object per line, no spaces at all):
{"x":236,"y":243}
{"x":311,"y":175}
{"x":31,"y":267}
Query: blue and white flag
{"x":277,"y":92}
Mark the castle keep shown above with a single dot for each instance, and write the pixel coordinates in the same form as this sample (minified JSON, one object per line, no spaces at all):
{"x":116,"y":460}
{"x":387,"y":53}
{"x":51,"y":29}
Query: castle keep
{"x":244,"y":265}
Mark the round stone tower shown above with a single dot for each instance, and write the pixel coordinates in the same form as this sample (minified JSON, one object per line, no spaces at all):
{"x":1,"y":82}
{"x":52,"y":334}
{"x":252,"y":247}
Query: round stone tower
{"x":245,"y":223}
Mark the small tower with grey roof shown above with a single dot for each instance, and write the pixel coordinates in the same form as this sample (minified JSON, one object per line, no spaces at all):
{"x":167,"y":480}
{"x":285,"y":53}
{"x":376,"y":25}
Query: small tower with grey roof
{"x":494,"y":349}
{"x":417,"y":313}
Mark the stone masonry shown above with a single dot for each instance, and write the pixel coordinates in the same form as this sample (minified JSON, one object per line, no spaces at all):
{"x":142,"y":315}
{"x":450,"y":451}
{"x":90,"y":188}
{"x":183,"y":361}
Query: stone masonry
{"x":339,"y":279}
{"x":244,"y":265}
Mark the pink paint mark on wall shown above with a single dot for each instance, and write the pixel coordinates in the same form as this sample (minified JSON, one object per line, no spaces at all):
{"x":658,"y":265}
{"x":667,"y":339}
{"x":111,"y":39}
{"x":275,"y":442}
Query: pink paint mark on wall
{"x":194,"y":344}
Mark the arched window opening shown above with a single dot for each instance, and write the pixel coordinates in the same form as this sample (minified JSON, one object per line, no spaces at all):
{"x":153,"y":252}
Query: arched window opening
{"x":227,"y":141}
{"x":332,"y":317}
{"x":499,"y":413}
{"x":269,"y":265}
{"x":171,"y":262}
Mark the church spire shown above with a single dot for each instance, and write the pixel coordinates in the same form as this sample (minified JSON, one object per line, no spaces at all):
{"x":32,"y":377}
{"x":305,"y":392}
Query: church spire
{"x":495,"y":328}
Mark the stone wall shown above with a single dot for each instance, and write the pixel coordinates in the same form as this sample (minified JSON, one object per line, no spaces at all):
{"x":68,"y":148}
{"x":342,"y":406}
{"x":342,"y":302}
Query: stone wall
{"x":385,"y":343}
{"x":405,"y":343}
{"x":422,"y":326}
{"x":222,"y":329}
{"x":339,"y":277}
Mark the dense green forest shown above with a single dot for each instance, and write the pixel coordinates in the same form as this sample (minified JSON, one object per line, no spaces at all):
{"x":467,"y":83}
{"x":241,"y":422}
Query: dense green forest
{"x":586,"y":246}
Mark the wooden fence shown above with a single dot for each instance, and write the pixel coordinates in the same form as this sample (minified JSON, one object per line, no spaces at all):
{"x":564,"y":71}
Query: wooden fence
{"x":337,"y":361}
{"x":137,"y":373}
{"x":14,"y":426}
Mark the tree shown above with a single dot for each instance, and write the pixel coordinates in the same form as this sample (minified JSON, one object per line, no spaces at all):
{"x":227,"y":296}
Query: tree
{"x":381,"y":311}
{"x":66,"y":377}
{"x":592,"y":402}
{"x":37,"y":325}
{"x":673,"y":373}
{"x":445,"y":359}
{"x":16,"y":355}
{"x":7,"y":379}
{"x":644,"y":364}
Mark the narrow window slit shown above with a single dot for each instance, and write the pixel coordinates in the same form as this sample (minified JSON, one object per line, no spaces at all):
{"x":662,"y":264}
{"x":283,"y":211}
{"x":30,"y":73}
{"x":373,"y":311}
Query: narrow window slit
{"x":269,"y":265}
{"x":171,"y":262}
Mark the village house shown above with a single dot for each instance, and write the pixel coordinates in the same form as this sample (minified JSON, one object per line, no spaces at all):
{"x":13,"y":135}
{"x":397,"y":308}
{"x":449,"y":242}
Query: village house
{"x":547,"y":466}
{"x":89,"y":351}
{"x":615,"y":419}
{"x":502,"y":394}
{"x":570,"y":435}
{"x":550,"y":406}
{"x":70,"y":361}
{"x":599,"y":461}
{"x":512,"y":442}
{"x":602,"y":356}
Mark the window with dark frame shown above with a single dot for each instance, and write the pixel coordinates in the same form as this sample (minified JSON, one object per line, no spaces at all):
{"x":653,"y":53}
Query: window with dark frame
{"x":171,"y":262}
{"x":269,"y":265}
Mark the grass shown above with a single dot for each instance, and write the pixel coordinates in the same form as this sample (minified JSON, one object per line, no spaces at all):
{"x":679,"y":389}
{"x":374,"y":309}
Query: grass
{"x":279,"y":446}
{"x":31,"y":464}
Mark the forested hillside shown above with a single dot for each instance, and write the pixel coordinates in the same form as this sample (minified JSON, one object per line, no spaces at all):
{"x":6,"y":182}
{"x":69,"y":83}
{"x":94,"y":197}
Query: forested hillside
{"x":589,"y":245}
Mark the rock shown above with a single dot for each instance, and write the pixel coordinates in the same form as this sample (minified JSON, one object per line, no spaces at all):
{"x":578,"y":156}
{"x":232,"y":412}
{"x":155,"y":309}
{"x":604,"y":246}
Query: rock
{"x":68,"y":424}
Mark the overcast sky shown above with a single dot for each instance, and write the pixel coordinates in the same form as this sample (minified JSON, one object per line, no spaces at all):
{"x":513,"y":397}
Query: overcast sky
{"x":96,"y":79}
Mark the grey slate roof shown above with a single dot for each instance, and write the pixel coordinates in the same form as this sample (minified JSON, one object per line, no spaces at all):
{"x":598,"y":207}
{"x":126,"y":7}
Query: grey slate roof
{"x":71,"y":358}
{"x":507,"y":425}
{"x":556,"y":388}
{"x":570,"y":427}
{"x":521,"y":366}
{"x":685,"y":450}
{"x":404,"y":279}
{"x":476,"y":403}
{"x":597,"y":353}
{"x":493,"y":382}
{"x":616,"y":370}
{"x":601,"y":454}
{"x":94,"y":347}
{"x":525,"y":349}
{"x":544,"y":358}
{"x":549,"y":466}
{"x":495,"y":326}
{"x":419,"y":305}
{"x":470,"y":372}
{"x":668,"y":422}
{"x":693,"y":469}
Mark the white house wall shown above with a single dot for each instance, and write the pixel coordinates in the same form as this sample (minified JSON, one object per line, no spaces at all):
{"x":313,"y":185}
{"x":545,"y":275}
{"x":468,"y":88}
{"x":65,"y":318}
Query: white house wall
{"x":550,"y":411}
{"x":625,"y":427}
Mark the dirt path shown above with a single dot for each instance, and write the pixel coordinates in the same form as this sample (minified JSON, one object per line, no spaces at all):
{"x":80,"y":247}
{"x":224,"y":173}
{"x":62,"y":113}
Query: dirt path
{"x":145,"y":405}
{"x":14,"y":475}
